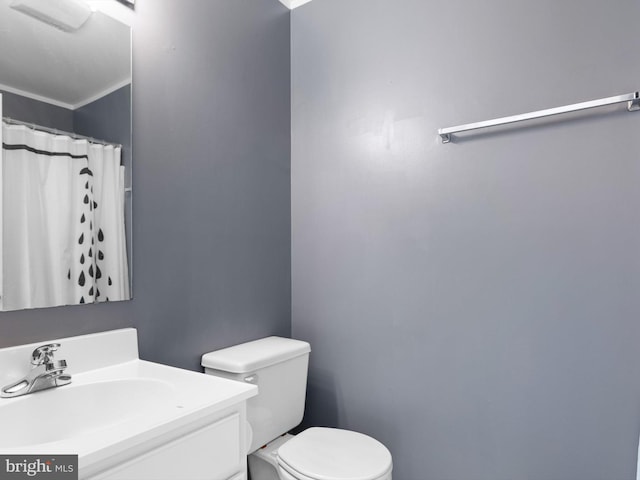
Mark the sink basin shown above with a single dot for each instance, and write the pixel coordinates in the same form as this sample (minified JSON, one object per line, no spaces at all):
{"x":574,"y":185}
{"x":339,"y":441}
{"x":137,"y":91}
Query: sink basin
{"x":66,"y":412}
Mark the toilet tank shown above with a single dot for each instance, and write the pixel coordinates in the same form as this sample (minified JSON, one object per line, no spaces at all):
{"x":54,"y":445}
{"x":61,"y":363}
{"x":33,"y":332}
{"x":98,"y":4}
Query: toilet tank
{"x":278,"y":366}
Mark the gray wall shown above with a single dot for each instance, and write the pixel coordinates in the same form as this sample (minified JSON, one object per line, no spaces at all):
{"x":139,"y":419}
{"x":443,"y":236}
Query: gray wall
{"x":108,"y":118}
{"x":211,"y":191}
{"x":475,"y":305}
{"x":211,"y":110}
{"x":26,"y":109}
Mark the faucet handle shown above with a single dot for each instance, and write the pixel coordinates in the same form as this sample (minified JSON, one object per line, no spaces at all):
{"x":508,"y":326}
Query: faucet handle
{"x":44,"y":354}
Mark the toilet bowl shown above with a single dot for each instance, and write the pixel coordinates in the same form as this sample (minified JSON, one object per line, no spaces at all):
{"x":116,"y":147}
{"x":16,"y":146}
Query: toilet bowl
{"x":278,"y":366}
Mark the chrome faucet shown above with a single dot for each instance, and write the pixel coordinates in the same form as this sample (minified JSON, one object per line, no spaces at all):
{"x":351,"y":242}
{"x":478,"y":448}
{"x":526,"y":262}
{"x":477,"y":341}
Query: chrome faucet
{"x":45,"y":373}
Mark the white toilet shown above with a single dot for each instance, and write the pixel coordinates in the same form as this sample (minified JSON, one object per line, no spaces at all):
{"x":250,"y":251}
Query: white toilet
{"x":278,"y":366}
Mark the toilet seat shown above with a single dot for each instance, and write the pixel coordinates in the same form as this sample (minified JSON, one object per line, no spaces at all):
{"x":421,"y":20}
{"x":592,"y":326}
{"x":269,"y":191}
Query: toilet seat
{"x":333,"y":454}
{"x":289,"y":474}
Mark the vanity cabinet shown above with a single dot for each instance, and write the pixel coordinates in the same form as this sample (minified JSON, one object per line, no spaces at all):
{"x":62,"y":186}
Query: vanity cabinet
{"x":213,"y":450}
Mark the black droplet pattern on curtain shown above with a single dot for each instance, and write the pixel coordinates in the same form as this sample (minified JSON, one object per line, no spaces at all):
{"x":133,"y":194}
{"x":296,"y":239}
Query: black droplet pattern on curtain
{"x":88,"y":201}
{"x":90,"y":267}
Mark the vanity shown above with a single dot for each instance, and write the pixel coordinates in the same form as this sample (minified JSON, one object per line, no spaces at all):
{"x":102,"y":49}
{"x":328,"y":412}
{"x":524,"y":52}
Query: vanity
{"x":127,"y":418}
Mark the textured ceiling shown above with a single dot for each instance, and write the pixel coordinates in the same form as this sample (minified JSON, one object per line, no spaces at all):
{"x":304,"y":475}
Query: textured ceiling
{"x":66,"y":69}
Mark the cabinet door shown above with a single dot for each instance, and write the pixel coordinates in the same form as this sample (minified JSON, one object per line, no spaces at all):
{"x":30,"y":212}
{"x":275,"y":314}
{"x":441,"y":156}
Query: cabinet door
{"x":210,"y":453}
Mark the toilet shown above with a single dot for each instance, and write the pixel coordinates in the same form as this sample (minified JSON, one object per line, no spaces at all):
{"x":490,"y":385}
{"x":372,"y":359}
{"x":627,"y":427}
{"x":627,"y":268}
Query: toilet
{"x":278,"y":366}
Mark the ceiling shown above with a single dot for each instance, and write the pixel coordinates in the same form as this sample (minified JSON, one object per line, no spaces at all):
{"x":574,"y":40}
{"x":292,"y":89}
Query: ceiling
{"x":65,"y":69}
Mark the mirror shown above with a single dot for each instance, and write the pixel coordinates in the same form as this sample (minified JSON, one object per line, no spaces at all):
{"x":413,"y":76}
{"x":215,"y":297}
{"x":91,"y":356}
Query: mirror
{"x":65,"y":97}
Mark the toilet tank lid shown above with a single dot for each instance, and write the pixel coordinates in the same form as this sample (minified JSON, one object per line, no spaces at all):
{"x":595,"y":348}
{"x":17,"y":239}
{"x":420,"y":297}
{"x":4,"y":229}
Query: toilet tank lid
{"x":251,"y":356}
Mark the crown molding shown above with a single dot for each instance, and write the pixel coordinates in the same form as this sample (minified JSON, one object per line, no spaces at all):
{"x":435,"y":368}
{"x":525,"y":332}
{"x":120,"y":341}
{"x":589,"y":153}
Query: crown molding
{"x":291,"y":4}
{"x":33,"y":96}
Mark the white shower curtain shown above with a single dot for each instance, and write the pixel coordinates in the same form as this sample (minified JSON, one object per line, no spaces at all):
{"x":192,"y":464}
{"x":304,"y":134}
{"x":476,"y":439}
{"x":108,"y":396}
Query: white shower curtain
{"x":62,"y":219}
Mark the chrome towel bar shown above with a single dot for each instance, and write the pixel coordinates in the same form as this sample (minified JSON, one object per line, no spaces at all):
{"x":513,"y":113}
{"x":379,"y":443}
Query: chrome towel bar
{"x":632,"y":99}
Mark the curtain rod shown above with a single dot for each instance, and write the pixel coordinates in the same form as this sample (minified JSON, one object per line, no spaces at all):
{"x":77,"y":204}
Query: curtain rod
{"x":55,"y":131}
{"x":632,"y":99}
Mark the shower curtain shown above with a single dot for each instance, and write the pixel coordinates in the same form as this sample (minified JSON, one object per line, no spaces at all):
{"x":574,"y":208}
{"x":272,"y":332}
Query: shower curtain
{"x":62,"y":220}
